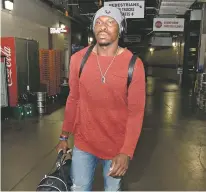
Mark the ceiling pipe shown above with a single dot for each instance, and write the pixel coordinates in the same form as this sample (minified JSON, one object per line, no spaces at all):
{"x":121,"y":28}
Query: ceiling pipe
{"x":69,"y":17}
{"x":149,"y":33}
{"x":87,"y":14}
{"x":152,"y":8}
{"x":54,"y":6}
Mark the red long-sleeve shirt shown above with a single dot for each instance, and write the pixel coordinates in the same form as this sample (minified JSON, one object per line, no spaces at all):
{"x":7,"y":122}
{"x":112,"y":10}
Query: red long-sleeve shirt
{"x":105,"y":119}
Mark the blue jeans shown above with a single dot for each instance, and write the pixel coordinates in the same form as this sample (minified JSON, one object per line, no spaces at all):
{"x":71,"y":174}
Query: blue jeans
{"x":83,"y":168}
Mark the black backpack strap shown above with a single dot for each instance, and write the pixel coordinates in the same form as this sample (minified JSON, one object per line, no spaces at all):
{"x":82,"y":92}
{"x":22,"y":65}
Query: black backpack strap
{"x":131,"y":69}
{"x":84,"y":60}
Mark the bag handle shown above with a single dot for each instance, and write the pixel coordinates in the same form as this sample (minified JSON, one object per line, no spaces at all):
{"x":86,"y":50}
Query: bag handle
{"x":60,"y":160}
{"x":131,"y":70}
{"x":86,"y":56}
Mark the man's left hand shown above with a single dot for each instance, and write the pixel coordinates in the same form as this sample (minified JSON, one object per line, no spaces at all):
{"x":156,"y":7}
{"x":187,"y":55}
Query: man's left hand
{"x":119,"y":166}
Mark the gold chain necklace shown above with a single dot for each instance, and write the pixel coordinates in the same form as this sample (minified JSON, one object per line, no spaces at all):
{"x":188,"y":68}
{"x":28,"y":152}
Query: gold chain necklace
{"x":103,"y":78}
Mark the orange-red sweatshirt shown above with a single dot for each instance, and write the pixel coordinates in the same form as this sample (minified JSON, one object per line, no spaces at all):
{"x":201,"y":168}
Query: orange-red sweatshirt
{"x":105,"y":119}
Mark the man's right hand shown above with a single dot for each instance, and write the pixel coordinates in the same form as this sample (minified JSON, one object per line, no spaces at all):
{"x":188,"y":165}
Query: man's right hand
{"x":62,"y":145}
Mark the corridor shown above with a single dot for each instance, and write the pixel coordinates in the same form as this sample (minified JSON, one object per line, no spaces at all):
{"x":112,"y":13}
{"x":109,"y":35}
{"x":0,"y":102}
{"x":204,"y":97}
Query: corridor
{"x":170,"y":155}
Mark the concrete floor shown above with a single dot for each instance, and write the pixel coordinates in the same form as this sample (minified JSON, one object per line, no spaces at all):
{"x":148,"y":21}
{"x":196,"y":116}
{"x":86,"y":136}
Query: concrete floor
{"x":171,"y":153}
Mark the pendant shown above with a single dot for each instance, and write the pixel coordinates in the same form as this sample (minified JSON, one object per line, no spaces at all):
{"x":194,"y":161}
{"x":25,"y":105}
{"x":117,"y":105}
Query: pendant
{"x":103,"y":79}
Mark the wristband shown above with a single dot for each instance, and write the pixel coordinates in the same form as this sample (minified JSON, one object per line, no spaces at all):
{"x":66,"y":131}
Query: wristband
{"x":63,"y":138}
{"x":62,"y":135}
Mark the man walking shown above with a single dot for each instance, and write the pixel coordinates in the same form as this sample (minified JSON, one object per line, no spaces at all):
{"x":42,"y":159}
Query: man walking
{"x":104,"y":116}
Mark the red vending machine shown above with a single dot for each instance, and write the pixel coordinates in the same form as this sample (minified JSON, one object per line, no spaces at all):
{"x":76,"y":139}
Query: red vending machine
{"x":8,"y":50}
{"x":22,"y":62}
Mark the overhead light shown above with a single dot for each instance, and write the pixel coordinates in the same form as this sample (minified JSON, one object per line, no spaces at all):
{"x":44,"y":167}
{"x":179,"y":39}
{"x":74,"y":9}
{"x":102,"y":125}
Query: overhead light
{"x":9,"y":5}
{"x":91,"y":39}
{"x":193,"y":49}
{"x":174,"y":44}
{"x":151,"y":49}
{"x":62,"y":26}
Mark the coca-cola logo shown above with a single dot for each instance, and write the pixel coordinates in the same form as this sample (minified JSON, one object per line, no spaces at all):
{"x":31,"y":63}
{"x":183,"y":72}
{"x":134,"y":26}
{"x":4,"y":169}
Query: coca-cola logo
{"x":158,"y":24}
{"x":6,"y":51}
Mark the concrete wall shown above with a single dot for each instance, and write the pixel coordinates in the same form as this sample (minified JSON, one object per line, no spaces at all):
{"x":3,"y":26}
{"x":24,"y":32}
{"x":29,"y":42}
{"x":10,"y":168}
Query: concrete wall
{"x":31,"y":19}
{"x":163,"y":63}
{"x":165,"y":56}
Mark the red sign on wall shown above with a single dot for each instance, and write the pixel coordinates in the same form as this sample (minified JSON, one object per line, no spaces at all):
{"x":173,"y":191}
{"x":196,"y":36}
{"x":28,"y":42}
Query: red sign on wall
{"x":168,"y":24}
{"x":8,"y":50}
{"x":158,"y":24}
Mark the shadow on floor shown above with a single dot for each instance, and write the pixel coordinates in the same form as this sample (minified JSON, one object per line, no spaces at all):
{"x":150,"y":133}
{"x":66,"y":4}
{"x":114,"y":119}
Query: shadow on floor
{"x":142,"y":157}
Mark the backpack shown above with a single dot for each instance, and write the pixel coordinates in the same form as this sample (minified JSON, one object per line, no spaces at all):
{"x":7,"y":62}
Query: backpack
{"x":130,"y":68}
